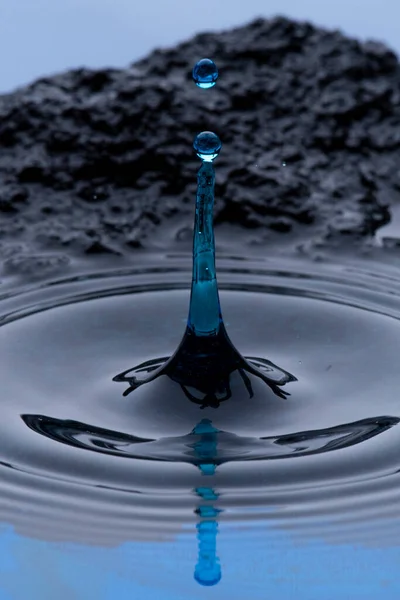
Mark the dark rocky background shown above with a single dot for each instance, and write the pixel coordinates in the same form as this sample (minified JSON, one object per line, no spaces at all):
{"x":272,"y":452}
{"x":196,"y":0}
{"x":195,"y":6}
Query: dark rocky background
{"x":101,"y":162}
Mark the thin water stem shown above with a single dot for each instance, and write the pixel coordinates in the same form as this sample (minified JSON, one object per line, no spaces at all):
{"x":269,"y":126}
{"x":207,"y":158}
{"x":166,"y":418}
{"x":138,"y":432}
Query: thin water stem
{"x":204,"y":312}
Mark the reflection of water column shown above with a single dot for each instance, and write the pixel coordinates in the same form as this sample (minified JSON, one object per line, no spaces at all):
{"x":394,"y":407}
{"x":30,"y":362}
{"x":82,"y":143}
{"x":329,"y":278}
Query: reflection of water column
{"x":208,"y":568}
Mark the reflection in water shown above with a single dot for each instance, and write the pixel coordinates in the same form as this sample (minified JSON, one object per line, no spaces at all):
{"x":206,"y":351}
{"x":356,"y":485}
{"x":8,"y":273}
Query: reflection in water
{"x":207,"y":447}
{"x":199,"y":447}
{"x":208,"y":568}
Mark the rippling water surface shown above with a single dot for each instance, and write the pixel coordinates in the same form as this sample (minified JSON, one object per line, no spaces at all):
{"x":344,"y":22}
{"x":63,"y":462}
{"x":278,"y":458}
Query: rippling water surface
{"x":298,"y":497}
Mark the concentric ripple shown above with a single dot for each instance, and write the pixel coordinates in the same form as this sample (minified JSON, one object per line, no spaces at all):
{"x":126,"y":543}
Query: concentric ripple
{"x":81,"y":461}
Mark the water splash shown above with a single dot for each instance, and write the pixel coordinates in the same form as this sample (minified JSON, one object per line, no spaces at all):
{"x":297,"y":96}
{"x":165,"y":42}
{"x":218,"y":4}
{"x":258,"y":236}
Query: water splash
{"x":205,"y":73}
{"x":206,"y":362}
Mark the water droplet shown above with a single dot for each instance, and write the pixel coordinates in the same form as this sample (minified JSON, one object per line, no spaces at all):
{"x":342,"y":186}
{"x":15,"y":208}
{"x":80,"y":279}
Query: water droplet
{"x":205,"y":73}
{"x":207,"y":145}
{"x":283,"y":164}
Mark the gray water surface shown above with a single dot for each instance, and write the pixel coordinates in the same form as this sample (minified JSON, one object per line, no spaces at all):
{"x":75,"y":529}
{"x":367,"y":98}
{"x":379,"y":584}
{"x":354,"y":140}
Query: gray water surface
{"x":306,"y":493}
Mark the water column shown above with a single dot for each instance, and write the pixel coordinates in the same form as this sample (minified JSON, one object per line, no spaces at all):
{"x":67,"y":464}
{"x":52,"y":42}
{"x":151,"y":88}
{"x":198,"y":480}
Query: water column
{"x":205,"y":312}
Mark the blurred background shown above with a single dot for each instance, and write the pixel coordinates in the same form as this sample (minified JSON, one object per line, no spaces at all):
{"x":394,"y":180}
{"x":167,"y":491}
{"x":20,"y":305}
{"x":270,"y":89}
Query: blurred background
{"x":42,"y":37}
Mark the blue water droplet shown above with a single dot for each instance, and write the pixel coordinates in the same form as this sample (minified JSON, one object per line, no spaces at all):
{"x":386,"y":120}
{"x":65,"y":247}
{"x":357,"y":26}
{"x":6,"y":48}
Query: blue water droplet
{"x":205,"y":73}
{"x":207,"y":145}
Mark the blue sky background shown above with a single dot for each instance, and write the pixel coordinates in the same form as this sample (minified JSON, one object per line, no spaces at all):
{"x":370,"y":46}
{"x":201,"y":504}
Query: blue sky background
{"x":39,"y":37}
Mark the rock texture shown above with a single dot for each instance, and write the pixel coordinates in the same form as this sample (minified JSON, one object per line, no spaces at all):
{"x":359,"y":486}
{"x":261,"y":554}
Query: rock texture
{"x":96,"y":161}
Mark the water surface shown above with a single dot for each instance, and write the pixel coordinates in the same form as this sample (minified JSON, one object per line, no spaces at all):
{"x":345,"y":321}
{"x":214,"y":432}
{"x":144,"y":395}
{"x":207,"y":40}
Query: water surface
{"x":303,"y":490}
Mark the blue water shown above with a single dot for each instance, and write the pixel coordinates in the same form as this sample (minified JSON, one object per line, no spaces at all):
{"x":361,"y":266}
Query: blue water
{"x":255,"y":479}
{"x":315,"y":515}
{"x":263,"y":563}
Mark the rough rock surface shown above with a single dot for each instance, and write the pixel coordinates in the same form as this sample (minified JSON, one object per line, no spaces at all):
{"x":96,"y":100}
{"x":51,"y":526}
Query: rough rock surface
{"x":96,"y":161}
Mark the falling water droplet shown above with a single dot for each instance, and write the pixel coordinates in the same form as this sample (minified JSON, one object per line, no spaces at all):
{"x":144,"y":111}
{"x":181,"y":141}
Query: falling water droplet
{"x":207,"y":145}
{"x":283,"y":164}
{"x":205,"y":73}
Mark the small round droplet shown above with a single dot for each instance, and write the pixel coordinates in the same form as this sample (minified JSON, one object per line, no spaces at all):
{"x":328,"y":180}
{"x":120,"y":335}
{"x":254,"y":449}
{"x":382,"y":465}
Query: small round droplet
{"x":207,"y":145}
{"x":205,"y":73}
{"x":283,"y":164}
